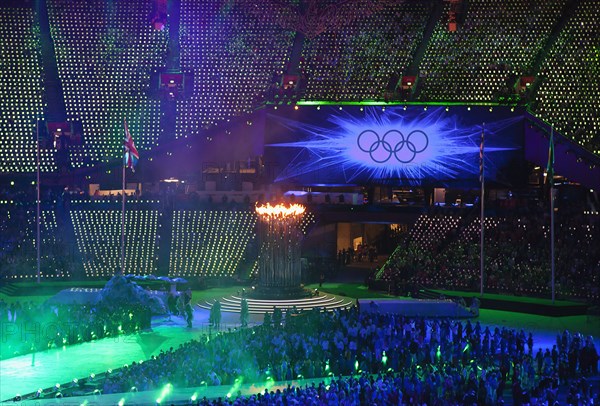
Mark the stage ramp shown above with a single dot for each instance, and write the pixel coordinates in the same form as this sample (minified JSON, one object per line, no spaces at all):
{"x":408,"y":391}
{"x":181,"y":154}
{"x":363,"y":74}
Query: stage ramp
{"x":417,"y":308}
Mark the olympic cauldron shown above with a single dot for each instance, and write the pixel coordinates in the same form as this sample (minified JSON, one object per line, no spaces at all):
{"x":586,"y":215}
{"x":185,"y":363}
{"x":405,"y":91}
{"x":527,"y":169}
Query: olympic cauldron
{"x":279,"y":269}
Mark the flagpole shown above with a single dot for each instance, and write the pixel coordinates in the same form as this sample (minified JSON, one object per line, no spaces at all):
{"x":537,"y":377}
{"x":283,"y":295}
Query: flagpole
{"x":37,"y":217}
{"x":552,"y":237}
{"x":550,"y":174}
{"x":482,"y":206}
{"x":130,"y":157}
{"x":123,"y":223}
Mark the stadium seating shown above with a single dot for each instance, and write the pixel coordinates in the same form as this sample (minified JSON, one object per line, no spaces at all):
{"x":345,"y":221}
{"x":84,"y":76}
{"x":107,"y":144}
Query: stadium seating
{"x":20,"y":92}
{"x":517,"y":256}
{"x":98,"y":234}
{"x":357,"y":62}
{"x":430,"y":230}
{"x":18,"y":245}
{"x":308,"y":220}
{"x":209,"y":243}
{"x":105,"y":52}
{"x":497,"y":43}
{"x":12,"y":234}
{"x":233,"y":57}
{"x":568,"y":95}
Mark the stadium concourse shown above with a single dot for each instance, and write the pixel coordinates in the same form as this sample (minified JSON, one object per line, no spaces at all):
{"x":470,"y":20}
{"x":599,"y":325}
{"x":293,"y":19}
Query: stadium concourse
{"x":300,"y":202}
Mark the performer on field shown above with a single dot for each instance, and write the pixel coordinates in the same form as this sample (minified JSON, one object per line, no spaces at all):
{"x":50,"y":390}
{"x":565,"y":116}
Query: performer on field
{"x":187,"y":305}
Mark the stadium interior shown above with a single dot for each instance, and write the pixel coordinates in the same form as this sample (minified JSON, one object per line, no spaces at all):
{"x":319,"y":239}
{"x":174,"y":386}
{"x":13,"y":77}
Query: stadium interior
{"x":447,"y":153}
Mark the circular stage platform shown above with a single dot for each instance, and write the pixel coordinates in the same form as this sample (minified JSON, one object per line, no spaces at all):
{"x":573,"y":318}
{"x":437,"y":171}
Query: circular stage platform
{"x":259,"y":306}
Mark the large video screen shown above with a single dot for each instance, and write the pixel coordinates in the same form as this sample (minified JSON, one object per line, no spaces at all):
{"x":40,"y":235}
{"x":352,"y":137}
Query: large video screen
{"x":412,"y":145}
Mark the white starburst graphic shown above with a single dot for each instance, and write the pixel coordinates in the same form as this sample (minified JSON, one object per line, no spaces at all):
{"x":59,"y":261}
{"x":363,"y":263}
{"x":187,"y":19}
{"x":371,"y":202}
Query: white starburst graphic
{"x":394,"y":144}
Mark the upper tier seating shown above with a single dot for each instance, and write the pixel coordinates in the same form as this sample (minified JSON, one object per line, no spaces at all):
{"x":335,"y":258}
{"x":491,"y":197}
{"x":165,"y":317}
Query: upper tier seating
{"x":233,"y":57}
{"x":568,"y":95}
{"x":497,"y":43}
{"x":20,"y":92}
{"x":105,"y":52}
{"x":357,"y":62}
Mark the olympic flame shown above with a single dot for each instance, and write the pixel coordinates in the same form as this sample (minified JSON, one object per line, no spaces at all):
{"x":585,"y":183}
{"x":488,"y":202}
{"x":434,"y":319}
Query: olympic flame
{"x":280,"y":211}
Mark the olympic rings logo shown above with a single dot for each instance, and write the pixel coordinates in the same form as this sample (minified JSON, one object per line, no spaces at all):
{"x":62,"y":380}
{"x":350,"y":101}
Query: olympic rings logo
{"x":393,"y":143}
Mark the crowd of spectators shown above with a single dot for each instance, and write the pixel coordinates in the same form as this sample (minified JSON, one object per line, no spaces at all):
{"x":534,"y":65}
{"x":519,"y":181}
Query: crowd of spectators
{"x":492,"y":48}
{"x":65,"y":213}
{"x":30,"y":327}
{"x":517,"y":257}
{"x":93,"y":65}
{"x":18,"y":235}
{"x":567,"y":76}
{"x":374,"y":358}
{"x":233,"y":57}
{"x":359,"y":61}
